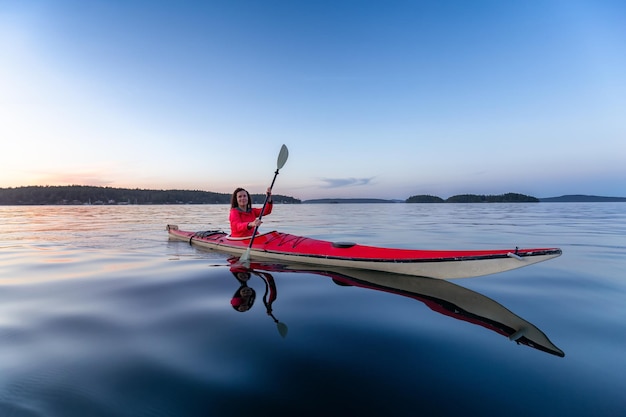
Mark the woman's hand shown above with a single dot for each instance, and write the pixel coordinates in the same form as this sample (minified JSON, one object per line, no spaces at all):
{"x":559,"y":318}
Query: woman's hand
{"x":255,"y":223}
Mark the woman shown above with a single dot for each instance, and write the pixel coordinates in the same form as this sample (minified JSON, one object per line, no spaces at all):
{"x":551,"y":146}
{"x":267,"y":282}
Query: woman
{"x":243,"y":218}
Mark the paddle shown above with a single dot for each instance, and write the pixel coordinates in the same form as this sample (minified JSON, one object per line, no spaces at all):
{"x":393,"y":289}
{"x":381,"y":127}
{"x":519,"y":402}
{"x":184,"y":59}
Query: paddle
{"x":282,"y":327}
{"x":282,"y":158}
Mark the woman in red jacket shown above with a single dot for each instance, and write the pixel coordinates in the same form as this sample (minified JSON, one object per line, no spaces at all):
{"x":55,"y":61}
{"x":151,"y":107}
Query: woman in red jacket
{"x":243,"y":218}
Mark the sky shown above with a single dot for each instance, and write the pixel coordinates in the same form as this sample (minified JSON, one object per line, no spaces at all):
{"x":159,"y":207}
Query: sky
{"x":374,"y":99}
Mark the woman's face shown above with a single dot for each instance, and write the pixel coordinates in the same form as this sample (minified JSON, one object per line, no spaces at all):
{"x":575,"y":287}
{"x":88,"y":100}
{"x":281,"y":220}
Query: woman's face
{"x":246,"y":292}
{"x":242,"y":199}
{"x":243,"y":276}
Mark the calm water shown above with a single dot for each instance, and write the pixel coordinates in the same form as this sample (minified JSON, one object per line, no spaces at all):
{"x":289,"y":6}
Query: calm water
{"x":102,"y":315}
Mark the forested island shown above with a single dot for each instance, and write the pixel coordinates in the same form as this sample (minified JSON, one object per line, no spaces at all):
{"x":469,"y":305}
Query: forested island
{"x":474,"y":198}
{"x":514,"y":198}
{"x":83,"y":194}
{"x":80,"y":194}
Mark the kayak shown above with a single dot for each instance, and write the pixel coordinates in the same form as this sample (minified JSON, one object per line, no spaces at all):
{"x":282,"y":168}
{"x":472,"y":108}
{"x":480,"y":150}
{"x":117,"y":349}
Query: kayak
{"x":439,"y":295}
{"x":443,"y":264}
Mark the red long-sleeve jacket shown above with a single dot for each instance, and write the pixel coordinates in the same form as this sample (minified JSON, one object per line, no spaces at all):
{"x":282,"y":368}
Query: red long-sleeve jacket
{"x":239,"y":220}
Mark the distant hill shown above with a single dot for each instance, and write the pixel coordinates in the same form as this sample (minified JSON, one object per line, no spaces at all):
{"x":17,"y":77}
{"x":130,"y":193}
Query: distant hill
{"x":580,"y":198}
{"x":475,"y":198}
{"x":424,"y":198}
{"x":80,"y":194}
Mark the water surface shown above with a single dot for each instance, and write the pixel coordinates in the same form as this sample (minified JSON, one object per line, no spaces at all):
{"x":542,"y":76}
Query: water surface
{"x":102,"y":315}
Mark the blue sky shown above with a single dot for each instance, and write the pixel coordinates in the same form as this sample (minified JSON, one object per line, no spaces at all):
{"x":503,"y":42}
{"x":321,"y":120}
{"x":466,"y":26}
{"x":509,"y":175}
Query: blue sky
{"x":383,"y":99}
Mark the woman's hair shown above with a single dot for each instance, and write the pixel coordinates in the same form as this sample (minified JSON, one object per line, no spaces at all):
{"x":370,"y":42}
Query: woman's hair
{"x":233,"y":199}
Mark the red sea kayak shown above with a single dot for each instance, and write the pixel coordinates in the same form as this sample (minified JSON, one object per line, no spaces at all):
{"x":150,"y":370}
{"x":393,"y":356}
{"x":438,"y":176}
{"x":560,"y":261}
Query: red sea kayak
{"x":444,"y":264}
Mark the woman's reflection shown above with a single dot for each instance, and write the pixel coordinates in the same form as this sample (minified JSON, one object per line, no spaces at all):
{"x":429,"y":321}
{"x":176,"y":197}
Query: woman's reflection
{"x":244,"y":297}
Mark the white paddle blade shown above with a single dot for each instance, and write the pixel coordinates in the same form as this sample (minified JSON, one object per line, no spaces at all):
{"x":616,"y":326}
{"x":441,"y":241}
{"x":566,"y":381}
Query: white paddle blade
{"x":282,"y":156}
{"x":245,"y":258}
{"x":282,"y":329}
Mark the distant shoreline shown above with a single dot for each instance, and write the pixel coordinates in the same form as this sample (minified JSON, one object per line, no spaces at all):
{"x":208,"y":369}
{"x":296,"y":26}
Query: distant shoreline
{"x":575,"y":198}
{"x":88,"y":195}
{"x":580,"y":198}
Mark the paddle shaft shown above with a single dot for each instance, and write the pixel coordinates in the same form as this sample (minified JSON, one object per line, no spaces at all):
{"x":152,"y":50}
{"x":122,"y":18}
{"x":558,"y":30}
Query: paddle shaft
{"x":267,"y":197}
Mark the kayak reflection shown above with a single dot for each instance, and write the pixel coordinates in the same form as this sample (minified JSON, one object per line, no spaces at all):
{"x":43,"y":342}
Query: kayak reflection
{"x":439,"y":295}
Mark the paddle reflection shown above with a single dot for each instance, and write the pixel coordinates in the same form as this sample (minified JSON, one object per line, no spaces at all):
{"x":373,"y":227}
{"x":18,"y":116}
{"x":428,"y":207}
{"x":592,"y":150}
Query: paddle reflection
{"x":439,"y":295}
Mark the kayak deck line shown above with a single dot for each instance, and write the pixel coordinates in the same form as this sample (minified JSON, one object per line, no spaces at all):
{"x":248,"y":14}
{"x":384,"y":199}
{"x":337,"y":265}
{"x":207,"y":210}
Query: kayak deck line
{"x":443,"y":264}
{"x":285,"y":239}
{"x":420,"y":259}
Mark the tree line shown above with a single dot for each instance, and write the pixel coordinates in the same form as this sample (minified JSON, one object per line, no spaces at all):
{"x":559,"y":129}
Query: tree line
{"x":81,"y":194}
{"x":474,"y":198}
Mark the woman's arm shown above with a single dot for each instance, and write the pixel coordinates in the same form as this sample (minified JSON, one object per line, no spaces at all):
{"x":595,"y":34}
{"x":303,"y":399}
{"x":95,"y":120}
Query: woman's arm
{"x":268,"y":208}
